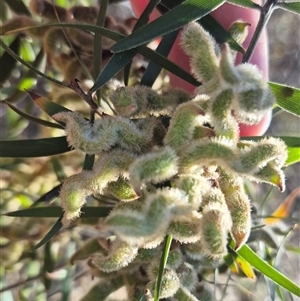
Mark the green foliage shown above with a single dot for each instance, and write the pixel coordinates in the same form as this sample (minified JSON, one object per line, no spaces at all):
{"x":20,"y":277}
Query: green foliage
{"x":164,"y":172}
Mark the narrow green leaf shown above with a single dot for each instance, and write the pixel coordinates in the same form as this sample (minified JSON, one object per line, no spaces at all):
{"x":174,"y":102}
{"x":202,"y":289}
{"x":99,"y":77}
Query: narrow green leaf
{"x":267,"y":270}
{"x":56,"y":227}
{"x":162,"y":265}
{"x":88,"y":162}
{"x":56,"y":211}
{"x":188,"y":11}
{"x":18,"y":7}
{"x":219,"y":33}
{"x":167,"y":64}
{"x":48,"y":196}
{"x":293,"y":155}
{"x":288,"y":98}
{"x":34,"y":119}
{"x":48,"y":106}
{"x":143,"y":50}
{"x":293,"y":7}
{"x":97,"y":57}
{"x":293,"y":147}
{"x":117,"y":62}
{"x":34,"y":147}
{"x":153,"y":69}
{"x":7,"y":62}
{"x":245,"y":3}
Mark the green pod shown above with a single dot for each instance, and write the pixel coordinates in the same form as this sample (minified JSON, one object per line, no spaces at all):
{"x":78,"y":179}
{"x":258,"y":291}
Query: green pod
{"x":200,"y":46}
{"x":120,"y":255}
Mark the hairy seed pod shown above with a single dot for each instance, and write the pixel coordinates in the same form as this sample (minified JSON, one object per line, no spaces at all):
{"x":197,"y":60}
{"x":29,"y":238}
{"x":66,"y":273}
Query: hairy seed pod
{"x":121,"y":190}
{"x":187,"y":276}
{"x":227,"y":69}
{"x":169,"y":285}
{"x":119,"y":256}
{"x":239,"y":32}
{"x":73,"y":195}
{"x":238,"y":204}
{"x":207,"y":151}
{"x":221,"y":116}
{"x":200,"y":46}
{"x":184,"y":120}
{"x":186,"y":228}
{"x":154,"y":167}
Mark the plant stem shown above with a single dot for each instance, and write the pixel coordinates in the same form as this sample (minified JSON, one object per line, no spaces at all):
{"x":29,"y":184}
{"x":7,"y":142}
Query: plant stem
{"x":162,"y":265}
{"x":266,"y":12}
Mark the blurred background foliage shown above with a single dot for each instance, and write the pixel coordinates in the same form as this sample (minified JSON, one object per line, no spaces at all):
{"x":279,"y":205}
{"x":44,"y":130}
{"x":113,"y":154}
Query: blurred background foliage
{"x":46,"y":273}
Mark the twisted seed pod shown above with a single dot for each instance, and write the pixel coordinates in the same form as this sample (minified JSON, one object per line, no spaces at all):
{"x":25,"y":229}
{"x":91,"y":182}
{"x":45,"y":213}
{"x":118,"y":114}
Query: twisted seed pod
{"x":200,"y":46}
{"x":238,"y":204}
{"x":182,"y":125}
{"x":154,"y":167}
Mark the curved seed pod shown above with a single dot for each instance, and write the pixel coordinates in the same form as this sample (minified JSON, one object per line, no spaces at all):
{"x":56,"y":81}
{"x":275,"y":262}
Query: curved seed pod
{"x":195,"y":187}
{"x":174,"y":97}
{"x":123,"y":102}
{"x":255,"y":156}
{"x":203,"y":132}
{"x":90,"y":138}
{"x":108,"y":168}
{"x":153,"y":167}
{"x":272,"y":175}
{"x":186,"y":228}
{"x":174,"y":259}
{"x":227,"y":69}
{"x":238,"y":205}
{"x":239,"y":31}
{"x":183,"y":294}
{"x":253,"y":96}
{"x":187,"y":276}
{"x":215,"y":224}
{"x":169,"y":286}
{"x":90,"y":247}
{"x":141,"y":227}
{"x":184,"y":120}
{"x":73,"y":195}
{"x":130,"y":136}
{"x":103,"y":289}
{"x":200,"y":46}
{"x":119,"y":256}
{"x":224,"y":124}
{"x":194,"y":250}
{"x":206,"y":151}
{"x":48,"y":10}
{"x":213,"y":232}
{"x":121,"y":190}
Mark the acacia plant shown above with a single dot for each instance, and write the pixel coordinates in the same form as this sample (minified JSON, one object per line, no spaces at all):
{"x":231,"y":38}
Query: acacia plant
{"x":165,"y":170}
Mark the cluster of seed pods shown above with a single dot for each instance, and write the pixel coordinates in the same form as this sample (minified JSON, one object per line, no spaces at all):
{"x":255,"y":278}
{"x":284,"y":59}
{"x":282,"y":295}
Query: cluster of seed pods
{"x":176,"y":165}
